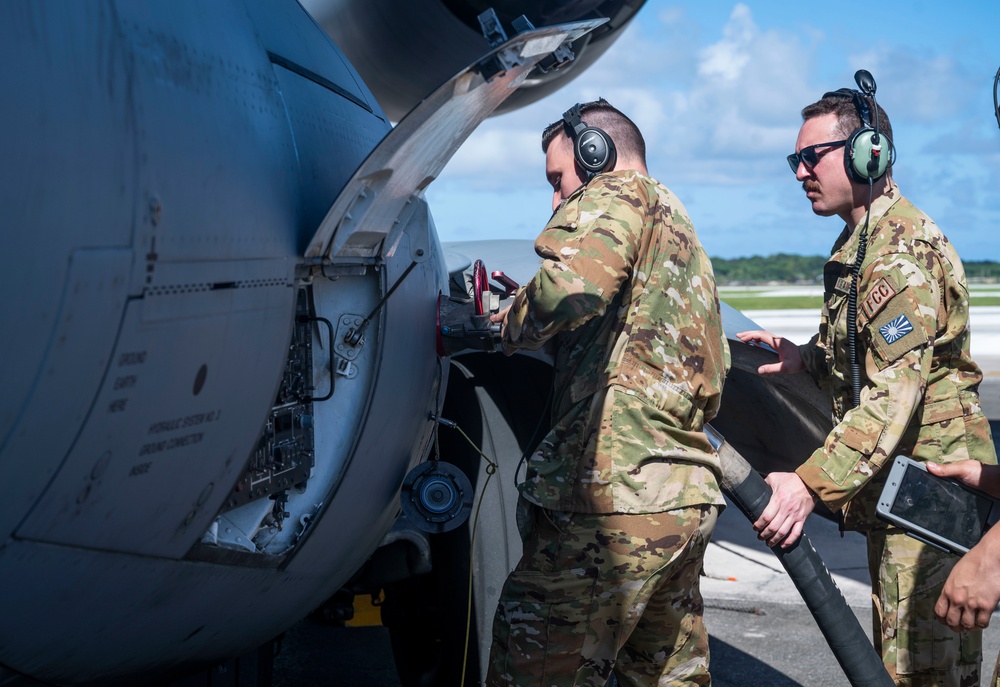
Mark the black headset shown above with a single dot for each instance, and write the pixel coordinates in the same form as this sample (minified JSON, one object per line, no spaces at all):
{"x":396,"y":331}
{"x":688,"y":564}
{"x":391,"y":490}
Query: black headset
{"x":866,"y":156}
{"x":593,"y":149}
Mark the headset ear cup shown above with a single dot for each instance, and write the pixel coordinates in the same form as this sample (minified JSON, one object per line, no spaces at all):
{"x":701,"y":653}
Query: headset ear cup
{"x":858,"y":153}
{"x":594,"y":150}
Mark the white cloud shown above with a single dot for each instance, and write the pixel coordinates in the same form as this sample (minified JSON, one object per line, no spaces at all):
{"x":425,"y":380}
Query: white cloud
{"x":927,"y":88}
{"x":718,"y":110}
{"x":727,"y":59}
{"x":718,"y":98}
{"x":506,"y":149}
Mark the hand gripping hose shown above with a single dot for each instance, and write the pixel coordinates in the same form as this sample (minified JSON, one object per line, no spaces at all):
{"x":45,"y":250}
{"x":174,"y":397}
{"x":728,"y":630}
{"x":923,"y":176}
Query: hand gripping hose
{"x":850,"y":646}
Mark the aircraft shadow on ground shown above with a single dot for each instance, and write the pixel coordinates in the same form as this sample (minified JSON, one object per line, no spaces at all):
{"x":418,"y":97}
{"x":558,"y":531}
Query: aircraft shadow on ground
{"x":314,"y":651}
{"x":732,"y":667}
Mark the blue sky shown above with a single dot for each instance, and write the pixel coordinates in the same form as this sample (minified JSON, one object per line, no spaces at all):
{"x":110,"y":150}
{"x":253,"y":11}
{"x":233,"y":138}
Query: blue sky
{"x":717,"y":89}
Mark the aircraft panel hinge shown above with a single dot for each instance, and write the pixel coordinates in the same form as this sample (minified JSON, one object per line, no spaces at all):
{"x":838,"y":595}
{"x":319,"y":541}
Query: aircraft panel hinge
{"x":348,"y":343}
{"x":492,"y":29}
{"x":558,"y":52}
{"x":344,"y":266}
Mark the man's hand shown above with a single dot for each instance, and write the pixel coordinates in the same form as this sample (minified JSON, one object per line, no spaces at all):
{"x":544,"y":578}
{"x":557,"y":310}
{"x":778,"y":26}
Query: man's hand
{"x":972,"y":590}
{"x":500,"y":316}
{"x":789,"y":359}
{"x":791,"y":503}
{"x":971,"y":473}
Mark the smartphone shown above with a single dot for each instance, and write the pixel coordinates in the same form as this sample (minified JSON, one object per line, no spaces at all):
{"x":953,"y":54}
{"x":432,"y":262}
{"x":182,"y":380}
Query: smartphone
{"x":941,"y":512}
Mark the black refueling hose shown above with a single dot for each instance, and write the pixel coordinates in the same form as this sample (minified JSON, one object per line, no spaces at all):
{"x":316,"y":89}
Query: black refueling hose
{"x":851,"y":647}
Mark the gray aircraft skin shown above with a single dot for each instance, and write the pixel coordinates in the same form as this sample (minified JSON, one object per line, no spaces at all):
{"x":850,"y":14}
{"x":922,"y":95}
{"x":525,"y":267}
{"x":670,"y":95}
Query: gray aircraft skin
{"x":192,"y":464}
{"x":219,"y":359}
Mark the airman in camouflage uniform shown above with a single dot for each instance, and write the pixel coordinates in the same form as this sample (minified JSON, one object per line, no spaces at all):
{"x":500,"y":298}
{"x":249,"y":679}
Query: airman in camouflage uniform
{"x":623,"y":492}
{"x":972,"y":591}
{"x":918,"y":393}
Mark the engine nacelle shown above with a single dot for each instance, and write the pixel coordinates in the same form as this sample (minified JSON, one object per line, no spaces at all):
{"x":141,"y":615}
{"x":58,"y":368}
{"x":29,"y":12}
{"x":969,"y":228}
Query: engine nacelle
{"x":404,"y":50}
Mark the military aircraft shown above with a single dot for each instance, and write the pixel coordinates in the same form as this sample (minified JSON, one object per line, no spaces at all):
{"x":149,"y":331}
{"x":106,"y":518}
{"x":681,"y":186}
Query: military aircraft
{"x":219,"y":356}
{"x":221,"y":342}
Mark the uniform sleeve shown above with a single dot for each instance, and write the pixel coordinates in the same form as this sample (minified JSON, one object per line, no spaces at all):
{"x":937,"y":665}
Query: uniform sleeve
{"x":587,"y":249}
{"x":714,"y":402}
{"x":897,"y":318}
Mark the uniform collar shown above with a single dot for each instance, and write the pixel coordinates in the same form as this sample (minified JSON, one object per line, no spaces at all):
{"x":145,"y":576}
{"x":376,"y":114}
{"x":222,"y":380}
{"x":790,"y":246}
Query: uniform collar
{"x":846,"y":243}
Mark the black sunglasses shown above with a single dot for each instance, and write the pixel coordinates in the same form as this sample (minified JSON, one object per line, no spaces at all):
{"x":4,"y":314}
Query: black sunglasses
{"x":808,"y":155}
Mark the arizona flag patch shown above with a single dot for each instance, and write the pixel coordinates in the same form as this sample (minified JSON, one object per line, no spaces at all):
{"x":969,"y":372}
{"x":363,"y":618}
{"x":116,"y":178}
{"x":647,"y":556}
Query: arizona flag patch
{"x":895,"y":329}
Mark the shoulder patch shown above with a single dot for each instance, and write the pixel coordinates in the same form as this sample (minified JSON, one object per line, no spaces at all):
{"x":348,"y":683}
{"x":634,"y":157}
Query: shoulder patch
{"x":878,"y":296}
{"x":896,"y":329}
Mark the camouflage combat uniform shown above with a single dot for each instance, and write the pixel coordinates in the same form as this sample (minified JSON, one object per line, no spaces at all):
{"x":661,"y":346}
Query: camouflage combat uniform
{"x":919,"y":398}
{"x":625,"y":486}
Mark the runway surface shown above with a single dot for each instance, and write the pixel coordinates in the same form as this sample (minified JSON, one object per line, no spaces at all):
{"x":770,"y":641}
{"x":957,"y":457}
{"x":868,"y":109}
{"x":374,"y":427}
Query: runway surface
{"x":762,"y":635}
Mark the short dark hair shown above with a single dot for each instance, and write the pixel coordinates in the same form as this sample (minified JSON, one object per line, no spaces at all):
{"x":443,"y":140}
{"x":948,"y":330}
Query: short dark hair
{"x":841,"y":104}
{"x":599,"y":113}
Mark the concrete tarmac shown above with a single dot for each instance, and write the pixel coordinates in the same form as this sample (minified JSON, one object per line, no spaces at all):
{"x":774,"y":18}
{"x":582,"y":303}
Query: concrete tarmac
{"x":762,"y":635}
{"x":762,"y":632}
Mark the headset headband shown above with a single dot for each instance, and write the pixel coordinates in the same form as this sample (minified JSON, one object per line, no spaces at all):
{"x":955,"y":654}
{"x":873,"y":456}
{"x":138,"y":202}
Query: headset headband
{"x":593,"y":149}
{"x":860,"y":103}
{"x":863,"y":154}
{"x":572,"y":120}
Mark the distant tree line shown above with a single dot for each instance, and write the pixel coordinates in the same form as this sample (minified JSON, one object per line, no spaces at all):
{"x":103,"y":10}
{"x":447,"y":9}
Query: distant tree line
{"x":982,"y":270}
{"x":783,"y":267}
{"x":808,"y":269}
